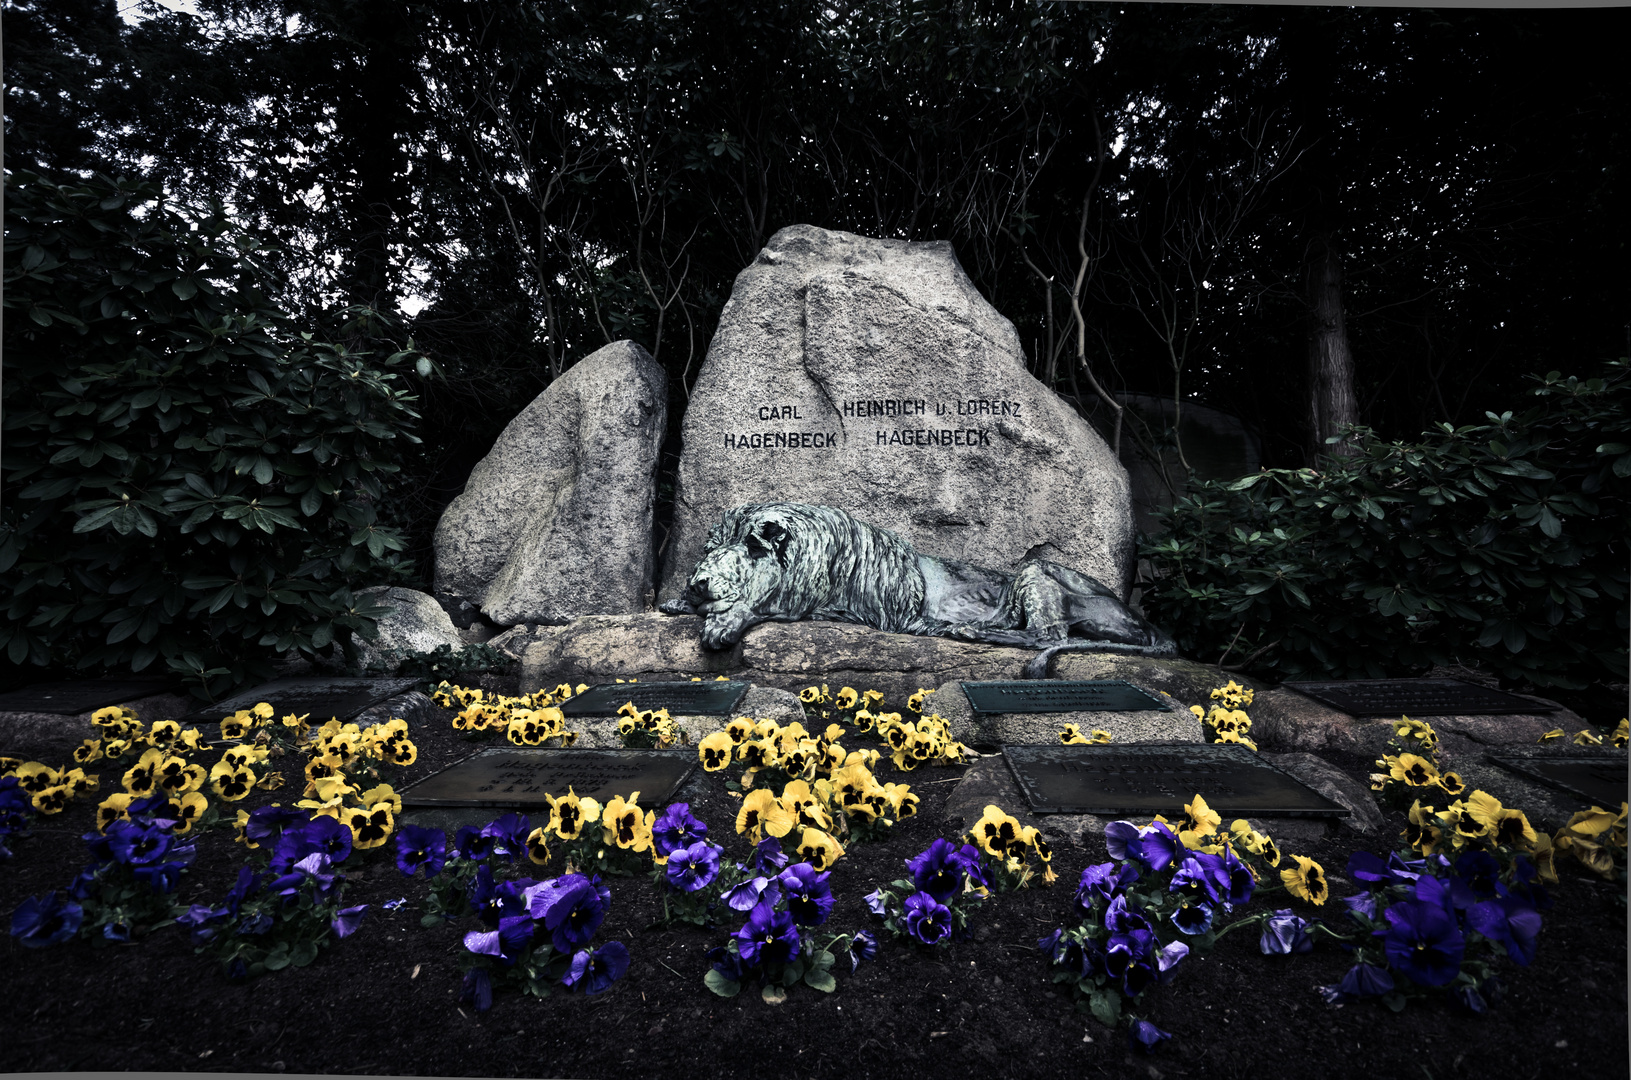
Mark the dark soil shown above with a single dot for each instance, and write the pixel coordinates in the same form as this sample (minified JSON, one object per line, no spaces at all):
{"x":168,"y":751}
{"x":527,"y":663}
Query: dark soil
{"x":385,"y":1001}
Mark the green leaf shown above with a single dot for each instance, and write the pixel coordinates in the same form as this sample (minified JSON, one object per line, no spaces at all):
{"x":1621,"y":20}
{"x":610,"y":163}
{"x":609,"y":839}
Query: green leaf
{"x":821,"y":980}
{"x":278,"y":958}
{"x":184,"y":288}
{"x":1106,"y":1006}
{"x":303,"y":953}
{"x":773,"y":995}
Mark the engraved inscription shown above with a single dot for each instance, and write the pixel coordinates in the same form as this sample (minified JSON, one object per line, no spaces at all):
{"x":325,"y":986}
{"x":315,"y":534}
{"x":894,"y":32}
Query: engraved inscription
{"x":942,"y":435}
{"x":522,"y":778}
{"x":1047,"y":696}
{"x":1159,"y":778}
{"x":1418,"y":697}
{"x":680,"y":699}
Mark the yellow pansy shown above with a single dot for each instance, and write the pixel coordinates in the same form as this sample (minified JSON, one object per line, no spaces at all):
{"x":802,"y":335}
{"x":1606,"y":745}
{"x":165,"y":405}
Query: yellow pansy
{"x":113,"y":808}
{"x":370,"y":827}
{"x":819,"y":849}
{"x":715,"y":751}
{"x":1198,"y":818}
{"x":995,"y":832}
{"x":761,"y":814}
{"x":80,"y":784}
{"x":1306,"y":881}
{"x":623,"y":823}
{"x":569,"y":814}
{"x":187,"y":809}
{"x":231,"y":784}
{"x":1413,"y":769}
{"x":142,"y":777}
{"x":54,"y":799}
{"x":382,"y":793}
{"x":901,"y":799}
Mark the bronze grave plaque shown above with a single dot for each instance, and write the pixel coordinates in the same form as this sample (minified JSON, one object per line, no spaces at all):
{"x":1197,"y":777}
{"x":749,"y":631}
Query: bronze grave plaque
{"x":1146,"y":779}
{"x":72,"y":698}
{"x":1060,"y":695}
{"x":1418,"y":697}
{"x":1595,"y":775}
{"x":520,"y":777}
{"x":319,"y":699}
{"x":679,"y":698}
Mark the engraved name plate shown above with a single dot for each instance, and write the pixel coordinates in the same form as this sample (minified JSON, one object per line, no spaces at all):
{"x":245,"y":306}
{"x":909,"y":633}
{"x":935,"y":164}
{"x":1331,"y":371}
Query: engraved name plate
{"x":520,"y":777}
{"x":1418,"y":697}
{"x":679,"y":698}
{"x":1061,"y":695}
{"x":318,"y":699}
{"x":70,"y":698}
{"x":1595,"y":775}
{"x":1159,"y":778}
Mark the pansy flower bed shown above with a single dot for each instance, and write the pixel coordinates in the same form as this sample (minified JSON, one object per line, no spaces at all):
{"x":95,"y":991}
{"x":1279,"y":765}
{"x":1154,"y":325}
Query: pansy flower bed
{"x":861,"y":938}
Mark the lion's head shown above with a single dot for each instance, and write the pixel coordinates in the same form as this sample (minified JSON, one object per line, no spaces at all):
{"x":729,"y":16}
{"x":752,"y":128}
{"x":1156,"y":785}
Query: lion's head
{"x":736,"y":583}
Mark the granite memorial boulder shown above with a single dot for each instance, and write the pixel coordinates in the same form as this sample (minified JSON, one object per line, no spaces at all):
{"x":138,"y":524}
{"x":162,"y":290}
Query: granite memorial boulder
{"x":871,"y":376}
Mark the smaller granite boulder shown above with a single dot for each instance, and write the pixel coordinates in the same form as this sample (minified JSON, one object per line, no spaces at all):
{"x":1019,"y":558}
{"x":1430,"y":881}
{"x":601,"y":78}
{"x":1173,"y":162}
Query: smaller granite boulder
{"x":556,"y":521}
{"x":417,"y":625}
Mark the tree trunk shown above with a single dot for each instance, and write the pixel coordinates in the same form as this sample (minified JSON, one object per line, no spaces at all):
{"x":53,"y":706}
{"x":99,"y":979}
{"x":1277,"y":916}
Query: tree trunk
{"x":1330,"y":363}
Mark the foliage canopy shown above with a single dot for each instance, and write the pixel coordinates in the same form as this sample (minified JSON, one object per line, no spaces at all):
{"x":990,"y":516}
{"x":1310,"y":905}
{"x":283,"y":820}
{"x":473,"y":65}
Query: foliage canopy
{"x":188,"y":477}
{"x":1501,"y":543}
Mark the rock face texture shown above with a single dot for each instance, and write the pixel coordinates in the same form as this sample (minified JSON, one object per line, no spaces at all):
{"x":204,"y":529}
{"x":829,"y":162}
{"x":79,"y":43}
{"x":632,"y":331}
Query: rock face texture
{"x":417,"y":625}
{"x":872,"y":376}
{"x":556,"y":520}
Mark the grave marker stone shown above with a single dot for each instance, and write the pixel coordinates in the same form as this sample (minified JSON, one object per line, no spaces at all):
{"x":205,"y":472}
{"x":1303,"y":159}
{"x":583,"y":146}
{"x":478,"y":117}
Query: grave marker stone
{"x":519,"y":778}
{"x":1596,"y":775}
{"x":72,"y":698}
{"x":1060,"y":695}
{"x":1418,"y":697}
{"x":1159,"y":778}
{"x":679,"y":698}
{"x":320,"y":698}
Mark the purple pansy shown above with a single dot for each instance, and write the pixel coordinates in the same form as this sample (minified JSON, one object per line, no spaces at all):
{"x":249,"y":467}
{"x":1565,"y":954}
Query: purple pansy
{"x":508,"y":835}
{"x":597,"y":971}
{"x":1102,"y":882}
{"x":420,"y":847}
{"x":47,"y":920}
{"x":927,"y":919}
{"x":692,"y":868}
{"x":809,"y":899}
{"x":346,"y":920}
{"x":750,"y":893}
{"x":677,"y":828}
{"x":940,"y":870}
{"x":575,"y":912}
{"x":1423,"y":941}
{"x":1285,"y":933}
{"x":768,"y":937}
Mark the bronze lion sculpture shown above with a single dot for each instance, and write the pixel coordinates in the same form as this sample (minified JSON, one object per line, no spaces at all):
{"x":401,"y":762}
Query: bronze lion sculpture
{"x":790,"y":561}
